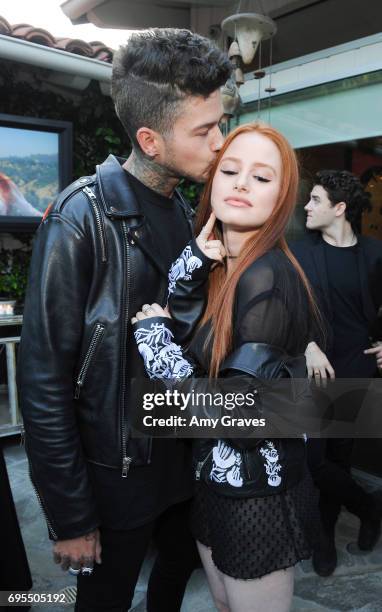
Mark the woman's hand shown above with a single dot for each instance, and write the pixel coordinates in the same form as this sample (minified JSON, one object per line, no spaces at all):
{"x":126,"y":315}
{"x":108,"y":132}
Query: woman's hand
{"x":214,"y":249}
{"x":317,"y":363}
{"x":151,"y":310}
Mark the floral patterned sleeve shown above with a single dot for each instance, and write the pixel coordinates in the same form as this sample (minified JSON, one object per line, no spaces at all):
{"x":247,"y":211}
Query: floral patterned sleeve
{"x":187,"y":282}
{"x":160,"y":339}
{"x":163,"y":358}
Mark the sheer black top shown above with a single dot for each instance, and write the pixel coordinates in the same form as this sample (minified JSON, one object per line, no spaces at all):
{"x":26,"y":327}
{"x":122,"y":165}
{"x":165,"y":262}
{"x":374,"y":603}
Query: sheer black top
{"x":271,"y":306}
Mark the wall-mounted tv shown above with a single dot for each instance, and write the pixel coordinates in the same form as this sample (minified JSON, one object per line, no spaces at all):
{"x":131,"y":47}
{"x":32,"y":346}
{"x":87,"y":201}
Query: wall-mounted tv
{"x":35,"y":165}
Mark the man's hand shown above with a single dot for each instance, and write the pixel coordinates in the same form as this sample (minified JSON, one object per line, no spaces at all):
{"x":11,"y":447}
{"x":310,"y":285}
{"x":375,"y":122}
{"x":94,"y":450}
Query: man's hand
{"x":377,"y":351}
{"x":151,"y":310}
{"x":213,"y":249}
{"x":78,"y":553}
{"x":318,"y":365}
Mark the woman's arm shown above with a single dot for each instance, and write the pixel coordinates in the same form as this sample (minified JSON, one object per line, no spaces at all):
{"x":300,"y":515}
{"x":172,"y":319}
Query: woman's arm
{"x":188,"y":278}
{"x":253,"y":361}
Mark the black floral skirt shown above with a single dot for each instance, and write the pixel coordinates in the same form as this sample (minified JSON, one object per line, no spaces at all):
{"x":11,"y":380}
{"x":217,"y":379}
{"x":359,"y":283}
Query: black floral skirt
{"x":252,"y":537}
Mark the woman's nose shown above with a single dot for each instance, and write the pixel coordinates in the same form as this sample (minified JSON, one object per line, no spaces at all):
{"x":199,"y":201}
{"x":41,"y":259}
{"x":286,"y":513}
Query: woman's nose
{"x":241,"y":183}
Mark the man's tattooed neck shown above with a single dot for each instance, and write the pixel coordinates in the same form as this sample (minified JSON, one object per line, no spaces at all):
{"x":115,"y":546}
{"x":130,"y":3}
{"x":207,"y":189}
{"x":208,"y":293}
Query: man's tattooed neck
{"x":151,"y":174}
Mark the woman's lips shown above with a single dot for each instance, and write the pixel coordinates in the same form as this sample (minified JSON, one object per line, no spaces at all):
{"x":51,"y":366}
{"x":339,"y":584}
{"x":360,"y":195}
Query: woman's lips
{"x":238,"y":202}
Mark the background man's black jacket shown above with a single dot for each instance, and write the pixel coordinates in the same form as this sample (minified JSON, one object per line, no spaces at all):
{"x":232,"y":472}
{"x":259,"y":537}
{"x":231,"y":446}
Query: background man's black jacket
{"x":94,"y":264}
{"x":310,"y":253}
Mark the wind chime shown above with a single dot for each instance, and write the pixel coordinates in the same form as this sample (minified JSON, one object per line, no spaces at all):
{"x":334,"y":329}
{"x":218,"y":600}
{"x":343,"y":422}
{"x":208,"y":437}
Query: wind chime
{"x":247,"y":32}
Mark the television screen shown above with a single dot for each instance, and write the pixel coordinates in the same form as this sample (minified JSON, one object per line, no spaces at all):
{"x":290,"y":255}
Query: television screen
{"x":29,"y":173}
{"x":35,"y":165}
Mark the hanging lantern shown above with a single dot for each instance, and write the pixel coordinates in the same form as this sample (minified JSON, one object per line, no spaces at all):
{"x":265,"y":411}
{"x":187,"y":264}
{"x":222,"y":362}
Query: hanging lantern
{"x":248,"y":29}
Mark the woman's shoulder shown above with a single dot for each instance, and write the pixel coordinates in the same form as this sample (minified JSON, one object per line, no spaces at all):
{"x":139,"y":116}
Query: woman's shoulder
{"x":260,"y":275}
{"x":270,"y":271}
{"x":268,"y":264}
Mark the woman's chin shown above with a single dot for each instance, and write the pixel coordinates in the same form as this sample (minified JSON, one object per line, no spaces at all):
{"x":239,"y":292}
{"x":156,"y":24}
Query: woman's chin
{"x":236,"y":222}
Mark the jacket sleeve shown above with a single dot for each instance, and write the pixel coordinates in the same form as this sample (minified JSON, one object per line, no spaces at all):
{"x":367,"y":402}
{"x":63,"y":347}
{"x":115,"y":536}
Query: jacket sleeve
{"x":163,"y":358}
{"x":187,"y":287}
{"x":59,"y":279}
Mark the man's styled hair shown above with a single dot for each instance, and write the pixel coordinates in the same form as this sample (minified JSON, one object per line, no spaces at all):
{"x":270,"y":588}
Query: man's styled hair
{"x":343,"y":186}
{"x":157,"y":70}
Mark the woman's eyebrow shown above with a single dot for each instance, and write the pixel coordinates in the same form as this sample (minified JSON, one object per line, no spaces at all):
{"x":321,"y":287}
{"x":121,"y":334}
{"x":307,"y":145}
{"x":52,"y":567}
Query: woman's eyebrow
{"x":255,"y":164}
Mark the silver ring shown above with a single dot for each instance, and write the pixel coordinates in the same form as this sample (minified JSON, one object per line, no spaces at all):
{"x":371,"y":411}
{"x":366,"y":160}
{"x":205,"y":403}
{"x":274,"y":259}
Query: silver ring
{"x":144,"y":310}
{"x":87,"y":571}
{"x":73,"y":571}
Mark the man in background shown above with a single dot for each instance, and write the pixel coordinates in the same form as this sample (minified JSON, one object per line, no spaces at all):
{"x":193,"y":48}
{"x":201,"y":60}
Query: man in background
{"x":345,"y":271}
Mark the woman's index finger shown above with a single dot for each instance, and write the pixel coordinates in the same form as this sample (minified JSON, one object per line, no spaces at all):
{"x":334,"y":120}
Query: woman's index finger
{"x":209,"y":226}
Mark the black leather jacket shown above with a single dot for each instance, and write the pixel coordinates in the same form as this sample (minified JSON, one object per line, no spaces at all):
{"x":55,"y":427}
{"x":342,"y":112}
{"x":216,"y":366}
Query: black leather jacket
{"x":94,"y":264}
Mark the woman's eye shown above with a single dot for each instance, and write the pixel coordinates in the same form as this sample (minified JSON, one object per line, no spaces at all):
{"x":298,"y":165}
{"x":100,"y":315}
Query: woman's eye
{"x":230,"y":172}
{"x":262,"y":179}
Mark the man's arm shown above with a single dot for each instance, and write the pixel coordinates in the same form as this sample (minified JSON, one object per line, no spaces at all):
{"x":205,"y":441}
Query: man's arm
{"x":59,"y":279}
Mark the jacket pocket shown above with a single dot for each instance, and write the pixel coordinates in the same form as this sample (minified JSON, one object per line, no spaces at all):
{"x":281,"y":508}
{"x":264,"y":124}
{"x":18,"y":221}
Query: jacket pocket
{"x":93,"y":345}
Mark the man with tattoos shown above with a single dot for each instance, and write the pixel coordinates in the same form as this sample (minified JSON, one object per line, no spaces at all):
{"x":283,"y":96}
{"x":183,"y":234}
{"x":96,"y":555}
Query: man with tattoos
{"x":103,"y":250}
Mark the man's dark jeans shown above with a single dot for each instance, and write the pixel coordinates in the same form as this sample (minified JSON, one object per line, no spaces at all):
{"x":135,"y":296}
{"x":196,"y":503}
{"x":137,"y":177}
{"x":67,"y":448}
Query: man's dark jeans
{"x":111,"y":586}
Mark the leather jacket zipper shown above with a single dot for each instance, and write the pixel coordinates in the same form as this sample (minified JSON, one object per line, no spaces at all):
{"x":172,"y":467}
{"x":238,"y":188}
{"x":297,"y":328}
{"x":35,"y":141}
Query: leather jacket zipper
{"x":200,"y":464}
{"x":246,"y":464}
{"x":39,"y":498}
{"x":96,"y":337}
{"x":101,"y":232}
{"x":126,"y":461}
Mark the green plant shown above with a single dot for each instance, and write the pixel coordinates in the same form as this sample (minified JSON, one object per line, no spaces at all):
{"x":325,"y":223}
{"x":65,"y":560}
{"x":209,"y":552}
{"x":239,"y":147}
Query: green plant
{"x":191,"y":191}
{"x":14,"y":265}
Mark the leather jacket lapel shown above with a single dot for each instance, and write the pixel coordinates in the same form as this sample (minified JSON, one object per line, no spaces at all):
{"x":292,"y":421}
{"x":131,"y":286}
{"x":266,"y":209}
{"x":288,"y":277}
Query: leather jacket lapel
{"x":142,"y":234}
{"x":117,"y":197}
{"x":119,"y":202}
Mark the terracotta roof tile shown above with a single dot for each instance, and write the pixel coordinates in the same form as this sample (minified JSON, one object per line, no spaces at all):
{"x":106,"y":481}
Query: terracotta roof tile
{"x":32,"y":34}
{"x":96,"y":50}
{"x":74,"y":45}
{"x":101,"y":51}
{"x":5,"y":27}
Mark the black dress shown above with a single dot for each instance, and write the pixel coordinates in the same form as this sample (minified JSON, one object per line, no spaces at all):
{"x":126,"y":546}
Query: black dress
{"x":251,"y":537}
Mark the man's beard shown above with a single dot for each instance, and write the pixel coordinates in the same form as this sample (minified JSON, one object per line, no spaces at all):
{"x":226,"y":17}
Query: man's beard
{"x":175,"y":172}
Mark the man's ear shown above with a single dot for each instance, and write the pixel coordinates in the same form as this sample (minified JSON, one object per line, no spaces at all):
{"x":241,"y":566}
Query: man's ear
{"x":340,"y":208}
{"x":148,"y":140}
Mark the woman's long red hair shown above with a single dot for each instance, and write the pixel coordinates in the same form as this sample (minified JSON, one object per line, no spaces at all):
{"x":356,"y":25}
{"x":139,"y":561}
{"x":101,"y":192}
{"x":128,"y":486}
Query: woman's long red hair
{"x":222,"y":287}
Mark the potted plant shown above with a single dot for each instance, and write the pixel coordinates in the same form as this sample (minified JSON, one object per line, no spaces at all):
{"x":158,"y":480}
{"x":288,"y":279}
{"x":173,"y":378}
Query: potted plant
{"x":14,"y":265}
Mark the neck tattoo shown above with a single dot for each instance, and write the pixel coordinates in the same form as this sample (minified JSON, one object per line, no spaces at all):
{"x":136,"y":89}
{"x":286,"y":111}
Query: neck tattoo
{"x":151,"y":174}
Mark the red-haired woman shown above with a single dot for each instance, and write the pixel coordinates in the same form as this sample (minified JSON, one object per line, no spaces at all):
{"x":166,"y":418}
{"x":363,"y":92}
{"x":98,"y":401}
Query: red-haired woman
{"x":255,"y":507}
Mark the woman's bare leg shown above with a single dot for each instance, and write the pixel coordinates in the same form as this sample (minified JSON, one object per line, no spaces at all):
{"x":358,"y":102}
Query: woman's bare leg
{"x":271,"y":592}
{"x":215,"y":579}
